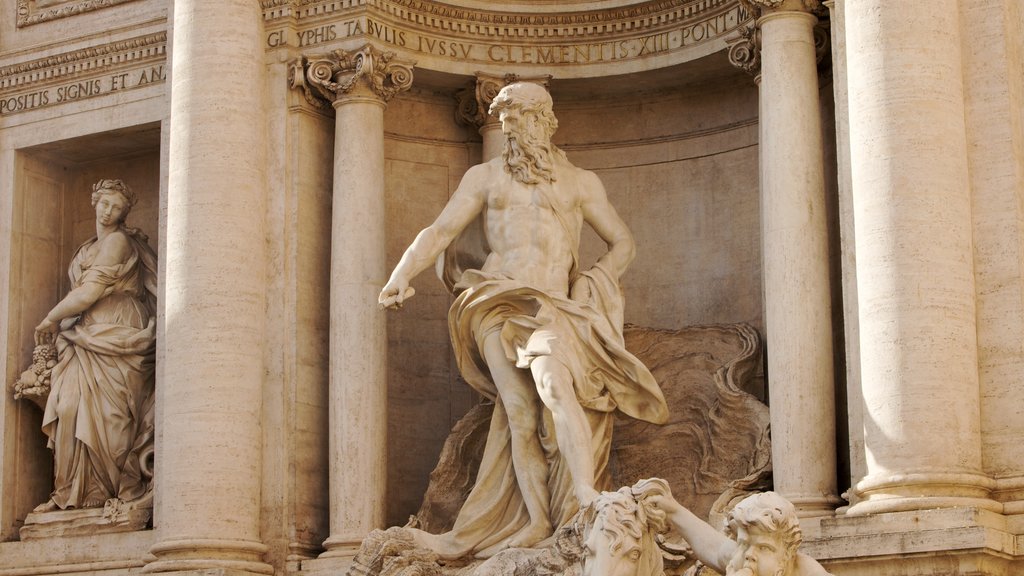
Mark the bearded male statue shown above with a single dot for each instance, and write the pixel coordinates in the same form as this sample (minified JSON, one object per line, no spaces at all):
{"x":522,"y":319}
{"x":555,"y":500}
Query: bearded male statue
{"x":533,"y":333}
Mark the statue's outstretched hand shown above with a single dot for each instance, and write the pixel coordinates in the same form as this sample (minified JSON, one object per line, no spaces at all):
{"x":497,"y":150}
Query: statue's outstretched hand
{"x":45,"y":332}
{"x":665,"y":503}
{"x":394,"y":294}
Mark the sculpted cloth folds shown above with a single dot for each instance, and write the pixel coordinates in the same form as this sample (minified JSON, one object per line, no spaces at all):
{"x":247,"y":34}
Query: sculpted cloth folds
{"x":584,"y":336}
{"x":99,"y":415}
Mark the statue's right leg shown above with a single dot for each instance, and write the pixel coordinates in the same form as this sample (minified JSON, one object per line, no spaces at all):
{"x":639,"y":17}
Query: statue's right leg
{"x":519,"y":397}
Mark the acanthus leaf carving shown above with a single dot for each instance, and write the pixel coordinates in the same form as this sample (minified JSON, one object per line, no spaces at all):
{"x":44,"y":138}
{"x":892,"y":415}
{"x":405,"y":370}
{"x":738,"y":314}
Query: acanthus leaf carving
{"x":745,"y":51}
{"x":326,"y":78}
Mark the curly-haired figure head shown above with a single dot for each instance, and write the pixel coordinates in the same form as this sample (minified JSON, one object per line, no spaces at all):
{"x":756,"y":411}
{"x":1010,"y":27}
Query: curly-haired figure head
{"x":113,"y":200}
{"x":620,"y":530}
{"x":767,"y":533}
{"x":761,"y":537}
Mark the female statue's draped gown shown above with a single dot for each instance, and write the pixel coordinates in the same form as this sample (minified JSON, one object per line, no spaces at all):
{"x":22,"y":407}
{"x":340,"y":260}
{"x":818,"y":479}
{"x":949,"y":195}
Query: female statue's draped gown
{"x":99,"y":415}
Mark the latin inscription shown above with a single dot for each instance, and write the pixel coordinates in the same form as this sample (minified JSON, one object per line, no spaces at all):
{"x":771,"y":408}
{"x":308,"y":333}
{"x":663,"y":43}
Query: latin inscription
{"x":498,"y":53}
{"x":82,"y":89}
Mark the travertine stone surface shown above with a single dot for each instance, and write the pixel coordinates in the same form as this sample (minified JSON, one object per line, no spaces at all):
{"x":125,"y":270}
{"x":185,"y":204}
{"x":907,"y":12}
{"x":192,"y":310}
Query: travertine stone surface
{"x":995,"y":138}
{"x":797,"y":299}
{"x":915,"y":278}
{"x":215,"y":286}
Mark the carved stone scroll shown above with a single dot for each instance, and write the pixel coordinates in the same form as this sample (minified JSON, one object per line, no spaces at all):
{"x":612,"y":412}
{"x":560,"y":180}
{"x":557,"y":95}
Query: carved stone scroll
{"x":745,"y":51}
{"x":326,"y":78}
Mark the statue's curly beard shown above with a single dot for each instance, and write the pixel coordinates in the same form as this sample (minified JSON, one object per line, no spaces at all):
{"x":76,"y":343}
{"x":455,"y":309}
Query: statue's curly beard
{"x":530,"y":159}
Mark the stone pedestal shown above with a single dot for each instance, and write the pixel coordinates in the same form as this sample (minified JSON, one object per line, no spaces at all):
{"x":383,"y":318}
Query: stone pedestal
{"x":210,"y":453}
{"x":796,"y":274}
{"x":915,"y":274}
{"x":358,"y":86}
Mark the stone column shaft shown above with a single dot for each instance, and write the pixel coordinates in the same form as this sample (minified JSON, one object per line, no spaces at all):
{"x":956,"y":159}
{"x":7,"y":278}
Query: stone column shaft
{"x":358,"y":341}
{"x":796,"y":272}
{"x":358,"y":84}
{"x":915,"y":277}
{"x":210,"y":455}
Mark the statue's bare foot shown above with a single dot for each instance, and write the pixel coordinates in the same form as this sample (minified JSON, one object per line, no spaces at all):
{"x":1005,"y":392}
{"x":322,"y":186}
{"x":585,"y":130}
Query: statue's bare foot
{"x":48,"y":506}
{"x":531,"y":535}
{"x":586,"y":495}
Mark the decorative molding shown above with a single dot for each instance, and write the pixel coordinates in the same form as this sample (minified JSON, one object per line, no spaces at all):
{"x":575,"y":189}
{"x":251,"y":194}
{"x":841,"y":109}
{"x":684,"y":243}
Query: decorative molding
{"x":29,"y":14}
{"x":745,"y":51}
{"x":328,"y":78}
{"x":460,"y":22}
{"x":761,"y":7}
{"x":93,"y":58}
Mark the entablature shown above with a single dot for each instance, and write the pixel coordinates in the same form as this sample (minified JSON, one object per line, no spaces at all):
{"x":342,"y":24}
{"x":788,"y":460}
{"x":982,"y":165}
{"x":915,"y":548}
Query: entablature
{"x":577,"y":42}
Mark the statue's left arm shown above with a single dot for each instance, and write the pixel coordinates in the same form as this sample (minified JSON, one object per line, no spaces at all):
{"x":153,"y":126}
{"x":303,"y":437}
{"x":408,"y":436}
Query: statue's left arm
{"x":603,"y":218}
{"x":113,"y":250}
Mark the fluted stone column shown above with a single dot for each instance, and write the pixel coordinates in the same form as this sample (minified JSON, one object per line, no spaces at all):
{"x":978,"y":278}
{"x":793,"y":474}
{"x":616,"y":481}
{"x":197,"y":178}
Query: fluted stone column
{"x":358,"y":85}
{"x":915,"y":275}
{"x":795,"y":258}
{"x":210,"y":454}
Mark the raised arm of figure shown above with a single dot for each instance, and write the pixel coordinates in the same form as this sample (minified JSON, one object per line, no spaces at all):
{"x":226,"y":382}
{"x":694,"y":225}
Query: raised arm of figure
{"x":709,"y":545}
{"x":603,"y":218}
{"x":113,"y":250}
{"x":463,"y":206}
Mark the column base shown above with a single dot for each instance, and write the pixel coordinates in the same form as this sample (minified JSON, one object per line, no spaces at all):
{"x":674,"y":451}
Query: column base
{"x":1010,"y":491}
{"x":345,"y":546}
{"x":188,"y":555}
{"x":918,"y":543}
{"x":814,"y":506}
{"x":923,"y":491}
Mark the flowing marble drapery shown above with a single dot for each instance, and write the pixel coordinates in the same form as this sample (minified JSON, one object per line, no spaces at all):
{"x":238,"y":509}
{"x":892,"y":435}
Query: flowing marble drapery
{"x":586,"y":337}
{"x":99,"y":415}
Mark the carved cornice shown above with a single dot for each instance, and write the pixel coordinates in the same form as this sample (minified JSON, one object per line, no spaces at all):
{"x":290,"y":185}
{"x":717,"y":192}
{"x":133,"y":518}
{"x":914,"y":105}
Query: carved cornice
{"x":28,"y":14}
{"x":761,"y":7}
{"x":475,"y":100}
{"x":459,"y":22}
{"x":329,"y":78}
{"x":94,"y":59}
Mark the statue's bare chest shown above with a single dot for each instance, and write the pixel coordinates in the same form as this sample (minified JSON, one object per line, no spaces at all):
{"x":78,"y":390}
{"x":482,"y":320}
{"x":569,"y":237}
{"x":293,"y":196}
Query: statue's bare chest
{"x":539,"y":198}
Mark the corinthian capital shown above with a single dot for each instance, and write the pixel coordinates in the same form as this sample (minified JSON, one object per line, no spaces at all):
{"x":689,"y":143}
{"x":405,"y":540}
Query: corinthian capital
{"x":475,"y":100}
{"x":331,"y":77}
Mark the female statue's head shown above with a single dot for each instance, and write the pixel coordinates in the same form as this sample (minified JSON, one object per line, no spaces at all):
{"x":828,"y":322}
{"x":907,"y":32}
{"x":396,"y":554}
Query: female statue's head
{"x":113,"y":200}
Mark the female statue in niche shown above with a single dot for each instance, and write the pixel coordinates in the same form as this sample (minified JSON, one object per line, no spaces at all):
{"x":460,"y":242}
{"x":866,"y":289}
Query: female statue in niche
{"x":99,"y":414}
